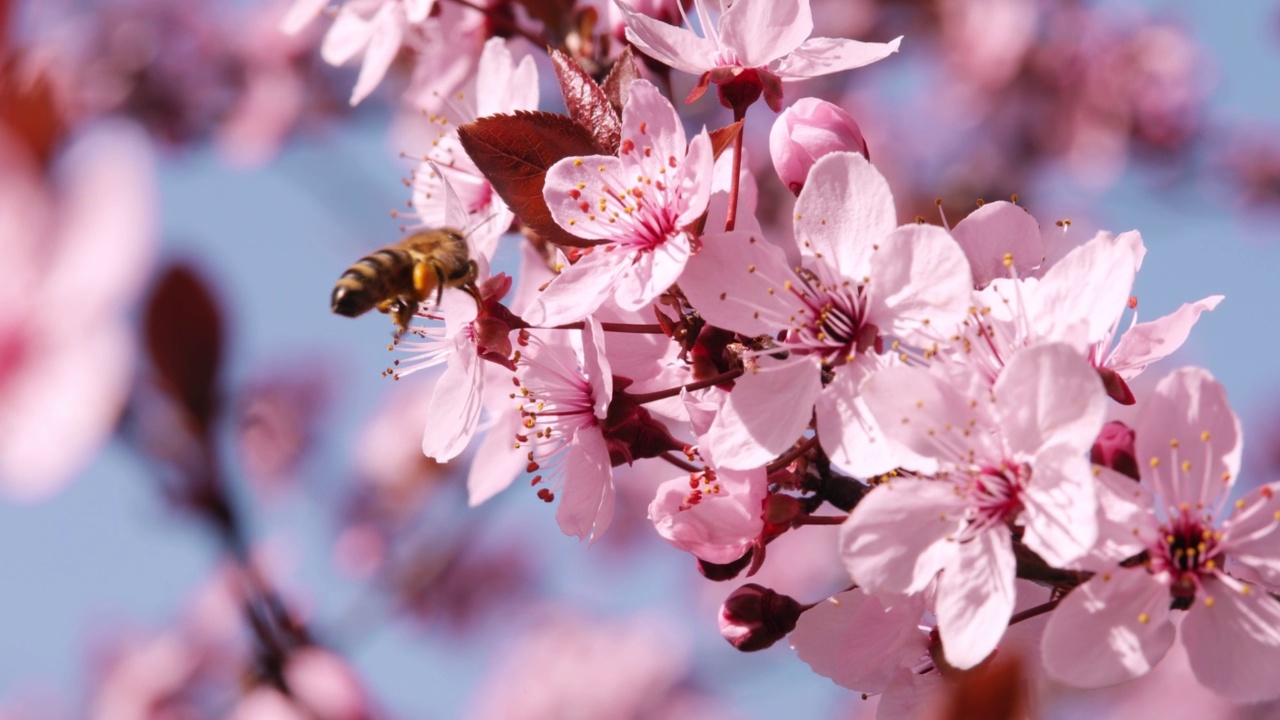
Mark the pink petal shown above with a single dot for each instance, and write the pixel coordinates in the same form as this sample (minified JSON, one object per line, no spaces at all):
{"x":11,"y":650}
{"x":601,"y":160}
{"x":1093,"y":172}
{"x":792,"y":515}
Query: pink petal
{"x":993,"y":230}
{"x":649,"y":121}
{"x":1049,"y":395}
{"x":756,"y":271}
{"x":107,"y":238}
{"x":695,"y":191}
{"x":928,"y":416}
{"x":1060,"y":506}
{"x":1113,"y":628}
{"x":1234,"y":644}
{"x":497,"y":460}
{"x":384,"y":45}
{"x":901,"y":534}
{"x":1147,"y":342}
{"x":920,"y":287}
{"x":300,"y":14}
{"x":752,"y":427}
{"x":1252,"y":535}
{"x":586,"y":500}
{"x":821,"y":56}
{"x":844,"y":209}
{"x":849,"y":432}
{"x":1188,"y":420}
{"x":761,"y":31}
{"x":349,"y":34}
{"x":502,"y":85}
{"x":578,"y":290}
{"x":416,"y":11}
{"x":455,"y":404}
{"x":574,"y":189}
{"x":596,"y":366}
{"x":859,"y":643}
{"x":1090,"y":286}
{"x":976,"y":597}
{"x":652,"y":273}
{"x":56,"y":414}
{"x":1125,"y":522}
{"x":681,"y":49}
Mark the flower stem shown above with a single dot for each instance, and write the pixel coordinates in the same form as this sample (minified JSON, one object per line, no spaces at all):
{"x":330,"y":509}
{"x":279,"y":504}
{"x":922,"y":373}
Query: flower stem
{"x":785,"y":458}
{"x":636,"y":328}
{"x":1034,"y":611}
{"x":732,"y":215}
{"x":680,"y":463}
{"x":723,"y":377}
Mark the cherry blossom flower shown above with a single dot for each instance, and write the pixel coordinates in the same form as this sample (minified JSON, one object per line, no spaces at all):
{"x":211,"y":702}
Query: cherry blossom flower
{"x":563,"y":396}
{"x":501,"y":85}
{"x":1007,"y":458}
{"x":860,"y":281}
{"x":469,"y":336}
{"x":714,"y":514}
{"x":639,"y":203}
{"x":375,"y":29}
{"x":1178,"y":544}
{"x":91,"y":241}
{"x":1080,"y":299}
{"x":759,"y":43}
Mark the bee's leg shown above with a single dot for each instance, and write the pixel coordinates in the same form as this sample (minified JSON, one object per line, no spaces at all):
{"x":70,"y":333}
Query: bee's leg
{"x":439,"y":284}
{"x":387,"y":306}
{"x":402,"y":312}
{"x":468,"y":283}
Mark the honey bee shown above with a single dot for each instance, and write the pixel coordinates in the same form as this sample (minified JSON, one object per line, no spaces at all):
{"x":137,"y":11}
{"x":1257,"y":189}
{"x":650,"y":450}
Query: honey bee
{"x":398,"y":277}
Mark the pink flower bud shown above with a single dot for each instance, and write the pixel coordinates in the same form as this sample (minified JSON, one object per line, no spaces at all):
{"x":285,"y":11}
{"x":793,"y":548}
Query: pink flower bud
{"x":755,"y":617}
{"x":805,"y":132}
{"x":1114,"y":449}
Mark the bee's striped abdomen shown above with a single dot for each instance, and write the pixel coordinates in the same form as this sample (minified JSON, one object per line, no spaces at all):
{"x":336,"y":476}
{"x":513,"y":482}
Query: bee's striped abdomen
{"x":372,"y":279}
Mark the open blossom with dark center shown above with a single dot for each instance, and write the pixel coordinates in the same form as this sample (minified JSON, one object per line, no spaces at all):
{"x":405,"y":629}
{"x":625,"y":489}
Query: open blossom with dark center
{"x":861,"y":285}
{"x":754,"y":43}
{"x":1176,"y":543}
{"x":638,"y":203}
{"x":1008,"y":461}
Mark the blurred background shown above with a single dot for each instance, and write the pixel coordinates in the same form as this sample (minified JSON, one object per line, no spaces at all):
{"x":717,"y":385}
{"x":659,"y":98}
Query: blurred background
{"x":209,"y":485}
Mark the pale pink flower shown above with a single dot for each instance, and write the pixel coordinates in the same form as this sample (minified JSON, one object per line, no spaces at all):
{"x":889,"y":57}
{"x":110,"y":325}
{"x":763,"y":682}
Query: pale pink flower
{"x":1080,"y":299}
{"x":761,"y":42}
{"x":1001,"y":240}
{"x":861,"y":285}
{"x":861,"y":642}
{"x":563,"y":395}
{"x":92,"y":241}
{"x":714,"y":514}
{"x":1009,"y":456}
{"x":639,"y":203}
{"x":1218,"y":568}
{"x":375,"y":29}
{"x":500,"y":85}
{"x":805,"y":132}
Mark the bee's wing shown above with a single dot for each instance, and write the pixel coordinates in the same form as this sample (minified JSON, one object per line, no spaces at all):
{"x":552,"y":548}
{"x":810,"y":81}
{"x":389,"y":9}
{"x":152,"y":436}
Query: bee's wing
{"x":455,"y":212}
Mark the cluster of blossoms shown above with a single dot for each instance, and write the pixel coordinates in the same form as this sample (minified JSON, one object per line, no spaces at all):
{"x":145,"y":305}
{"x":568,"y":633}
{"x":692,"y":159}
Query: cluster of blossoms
{"x":945,"y":395}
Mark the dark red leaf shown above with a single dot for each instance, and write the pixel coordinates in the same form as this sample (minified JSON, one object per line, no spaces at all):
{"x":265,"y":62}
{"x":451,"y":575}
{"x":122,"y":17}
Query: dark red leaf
{"x":184,"y":339}
{"x":617,"y":86}
{"x":587,"y":104}
{"x":515,"y":151}
{"x":722,"y":138}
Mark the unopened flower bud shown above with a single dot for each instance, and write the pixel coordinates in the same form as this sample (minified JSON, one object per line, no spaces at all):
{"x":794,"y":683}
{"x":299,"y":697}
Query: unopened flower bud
{"x":755,"y":617}
{"x":805,"y":132}
{"x":780,"y":509}
{"x":1114,"y":449}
